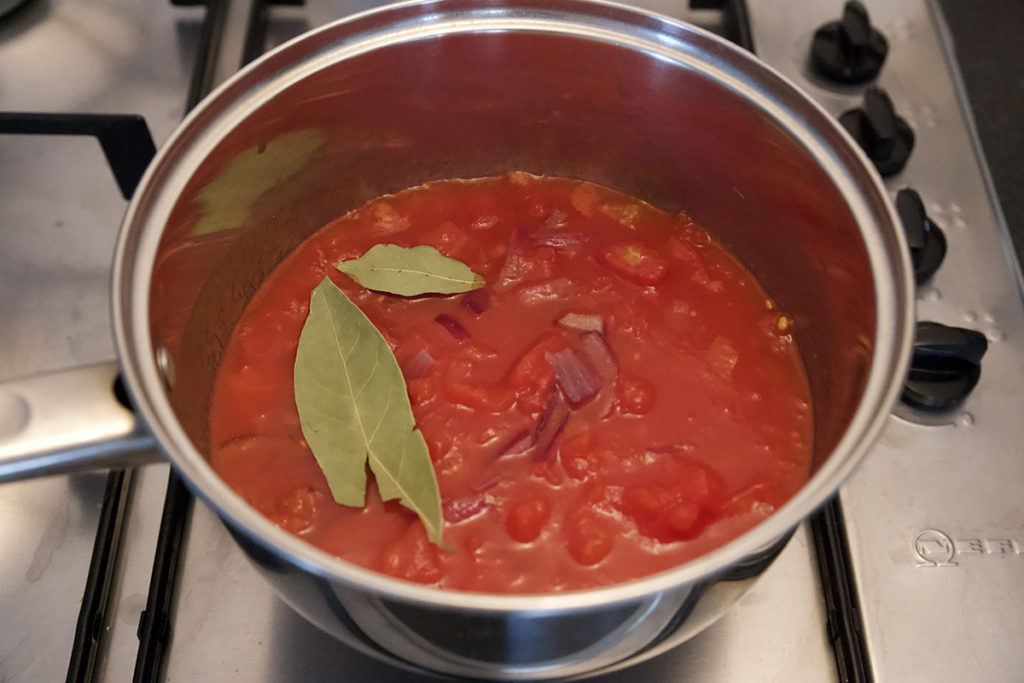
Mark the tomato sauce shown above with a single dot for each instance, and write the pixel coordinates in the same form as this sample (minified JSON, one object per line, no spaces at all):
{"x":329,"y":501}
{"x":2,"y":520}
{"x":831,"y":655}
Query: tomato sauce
{"x":620,"y":397}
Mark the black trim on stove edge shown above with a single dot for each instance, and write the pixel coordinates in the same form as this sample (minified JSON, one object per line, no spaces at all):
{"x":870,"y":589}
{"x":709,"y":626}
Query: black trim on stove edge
{"x":845,"y":630}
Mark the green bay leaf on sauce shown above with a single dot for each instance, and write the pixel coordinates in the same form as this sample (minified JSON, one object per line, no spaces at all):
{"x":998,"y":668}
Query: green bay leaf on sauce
{"x":410,"y":271}
{"x":354,"y":409}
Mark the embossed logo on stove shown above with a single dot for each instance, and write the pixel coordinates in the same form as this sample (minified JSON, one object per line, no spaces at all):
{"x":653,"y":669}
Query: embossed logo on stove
{"x":934,"y":548}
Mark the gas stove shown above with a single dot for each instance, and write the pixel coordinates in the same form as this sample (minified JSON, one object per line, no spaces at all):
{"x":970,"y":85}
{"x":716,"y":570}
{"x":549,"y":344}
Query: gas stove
{"x":914,"y":571}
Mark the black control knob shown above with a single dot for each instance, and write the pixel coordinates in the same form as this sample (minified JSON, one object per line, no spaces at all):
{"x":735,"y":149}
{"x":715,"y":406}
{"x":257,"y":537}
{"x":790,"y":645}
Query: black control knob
{"x":885,"y":137}
{"x":945,"y":367}
{"x":849,"y":50}
{"x":926,"y":240}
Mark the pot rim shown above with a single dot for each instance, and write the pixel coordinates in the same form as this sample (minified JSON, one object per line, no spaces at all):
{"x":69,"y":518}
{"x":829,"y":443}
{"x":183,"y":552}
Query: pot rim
{"x":668,"y":39}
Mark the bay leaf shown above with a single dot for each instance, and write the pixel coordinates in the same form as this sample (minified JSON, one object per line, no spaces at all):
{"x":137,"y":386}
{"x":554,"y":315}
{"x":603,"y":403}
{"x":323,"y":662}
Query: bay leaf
{"x":353,"y":408}
{"x":410,"y":271}
{"x":227,"y":200}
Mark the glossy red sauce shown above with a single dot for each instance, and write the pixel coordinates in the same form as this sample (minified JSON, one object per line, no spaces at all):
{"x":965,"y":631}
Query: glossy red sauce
{"x":677,"y":418}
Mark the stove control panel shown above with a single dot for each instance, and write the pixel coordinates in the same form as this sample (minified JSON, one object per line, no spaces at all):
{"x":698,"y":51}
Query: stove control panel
{"x":886,"y":137}
{"x":850,"y":50}
{"x":931,"y":522}
{"x":925,"y":238}
{"x":945,"y":368}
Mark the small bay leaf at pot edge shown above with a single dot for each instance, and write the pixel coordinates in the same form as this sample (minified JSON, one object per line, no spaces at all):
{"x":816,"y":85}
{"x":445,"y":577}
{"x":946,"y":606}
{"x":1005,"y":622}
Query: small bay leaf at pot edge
{"x":353,"y":408}
{"x":410,"y":271}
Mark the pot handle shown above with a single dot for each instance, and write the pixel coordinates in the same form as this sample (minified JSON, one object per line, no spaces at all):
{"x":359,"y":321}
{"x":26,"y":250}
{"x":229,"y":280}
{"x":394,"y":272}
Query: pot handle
{"x":68,"y":421}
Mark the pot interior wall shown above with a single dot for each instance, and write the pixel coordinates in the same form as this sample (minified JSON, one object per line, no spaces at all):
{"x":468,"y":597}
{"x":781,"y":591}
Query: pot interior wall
{"x":475,"y":104}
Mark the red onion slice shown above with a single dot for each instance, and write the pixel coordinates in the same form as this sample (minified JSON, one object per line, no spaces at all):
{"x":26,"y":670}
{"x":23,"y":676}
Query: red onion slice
{"x":418,"y":366}
{"x":487,"y":483}
{"x":600,"y":356}
{"x":459,"y":509}
{"x":550,"y":426}
{"x":517,"y":444}
{"x":477,"y":301}
{"x":513,"y":270}
{"x":453,"y":326}
{"x":575,"y":376}
{"x":606,"y":405}
{"x":583,"y":322}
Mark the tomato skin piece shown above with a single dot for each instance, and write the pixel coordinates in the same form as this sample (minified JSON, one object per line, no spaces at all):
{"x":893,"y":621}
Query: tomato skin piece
{"x":486,"y":399}
{"x":532,"y":376}
{"x":453,"y":241}
{"x":636,"y":262}
{"x":683,"y":518}
{"x":421,"y":390}
{"x":527,"y":518}
{"x":588,"y":540}
{"x":297,"y":509}
{"x":580,"y":456}
{"x":678,"y":506}
{"x":413,"y":557}
{"x":584,"y":197}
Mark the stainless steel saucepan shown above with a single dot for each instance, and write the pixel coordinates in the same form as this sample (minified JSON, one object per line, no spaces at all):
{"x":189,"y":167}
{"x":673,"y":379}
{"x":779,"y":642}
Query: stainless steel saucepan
{"x":420,"y":91}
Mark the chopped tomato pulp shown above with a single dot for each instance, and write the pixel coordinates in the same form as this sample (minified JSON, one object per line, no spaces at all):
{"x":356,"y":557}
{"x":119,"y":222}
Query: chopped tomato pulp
{"x":621,"y":397}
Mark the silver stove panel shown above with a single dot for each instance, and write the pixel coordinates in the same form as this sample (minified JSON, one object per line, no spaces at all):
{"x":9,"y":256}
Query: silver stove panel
{"x":935,"y":514}
{"x":59,"y":215}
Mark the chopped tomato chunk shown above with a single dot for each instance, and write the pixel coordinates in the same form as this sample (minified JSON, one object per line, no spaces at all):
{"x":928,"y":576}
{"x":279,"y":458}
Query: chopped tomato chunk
{"x":588,"y":540}
{"x":490,"y":399}
{"x":580,"y":456}
{"x":527,"y":518}
{"x":297,"y":509}
{"x":679,"y":506}
{"x":636,"y":262}
{"x":413,"y":557}
{"x":532,"y":376}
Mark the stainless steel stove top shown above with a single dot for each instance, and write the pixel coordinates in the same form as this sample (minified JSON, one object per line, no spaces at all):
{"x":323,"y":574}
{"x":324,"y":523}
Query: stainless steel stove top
{"x":934,"y":517}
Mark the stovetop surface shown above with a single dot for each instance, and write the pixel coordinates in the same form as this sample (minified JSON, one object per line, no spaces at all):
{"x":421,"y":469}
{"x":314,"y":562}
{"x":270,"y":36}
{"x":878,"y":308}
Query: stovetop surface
{"x":59,"y":214}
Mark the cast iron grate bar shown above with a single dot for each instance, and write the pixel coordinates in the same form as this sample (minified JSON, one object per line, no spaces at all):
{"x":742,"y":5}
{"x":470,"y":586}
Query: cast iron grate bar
{"x":128,"y":148}
{"x":841,"y":604}
{"x":735,"y":20}
{"x":125,"y":138}
{"x":259,"y":20}
{"x":214,"y":21}
{"x":92,"y":617}
{"x":155,"y":622}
